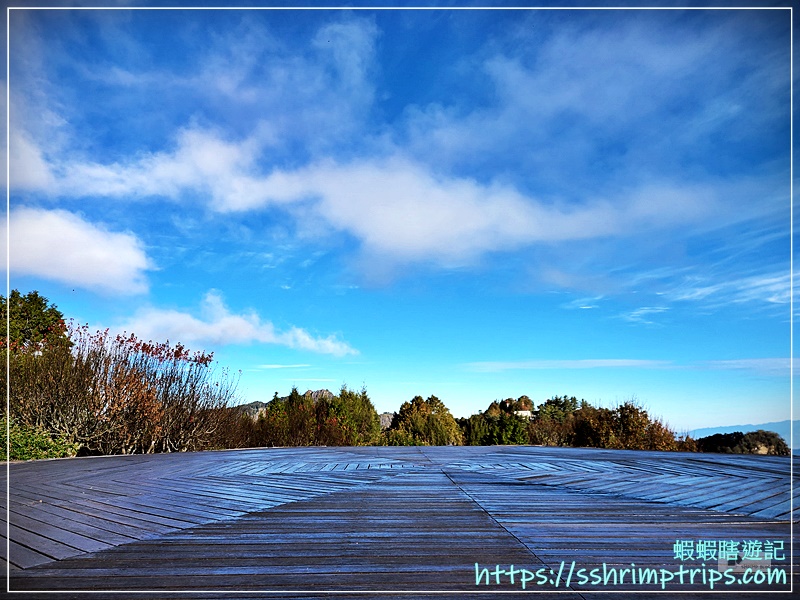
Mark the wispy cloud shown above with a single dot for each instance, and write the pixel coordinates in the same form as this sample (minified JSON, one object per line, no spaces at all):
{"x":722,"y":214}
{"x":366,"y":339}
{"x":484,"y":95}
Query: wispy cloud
{"x":27,"y":165}
{"x":62,"y":246}
{"x":562,"y":113}
{"x":314,"y":90}
{"x":268,"y":367}
{"x":762,"y":366}
{"x":593,"y":363}
{"x":770,"y":288}
{"x":642,"y":315}
{"x":218,"y":326}
{"x":583,"y":303}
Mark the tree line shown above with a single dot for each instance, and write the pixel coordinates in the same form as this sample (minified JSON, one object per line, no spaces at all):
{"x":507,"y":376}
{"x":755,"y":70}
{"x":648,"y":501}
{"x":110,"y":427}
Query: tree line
{"x":73,"y":391}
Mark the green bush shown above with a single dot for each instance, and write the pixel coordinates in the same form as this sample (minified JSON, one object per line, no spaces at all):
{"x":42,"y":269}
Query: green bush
{"x":28,"y":443}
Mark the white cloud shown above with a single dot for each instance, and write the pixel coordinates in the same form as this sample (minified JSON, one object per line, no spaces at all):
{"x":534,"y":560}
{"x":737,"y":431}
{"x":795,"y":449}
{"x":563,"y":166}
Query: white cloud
{"x":397,"y":208}
{"x":401,"y":210}
{"x":61,"y":246}
{"x":202,"y":161}
{"x":594,"y":363}
{"x":216,"y":325}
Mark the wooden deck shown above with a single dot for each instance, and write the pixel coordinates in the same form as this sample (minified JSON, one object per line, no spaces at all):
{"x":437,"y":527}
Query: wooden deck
{"x":360,"y":522}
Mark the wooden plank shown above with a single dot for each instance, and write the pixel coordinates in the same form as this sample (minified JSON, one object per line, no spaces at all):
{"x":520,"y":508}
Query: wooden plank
{"x":24,"y":557}
{"x":41,"y":544}
{"x":122,"y":515}
{"x":67,"y":537}
{"x":66,"y":520}
{"x":72,"y":512}
{"x":388,"y":518}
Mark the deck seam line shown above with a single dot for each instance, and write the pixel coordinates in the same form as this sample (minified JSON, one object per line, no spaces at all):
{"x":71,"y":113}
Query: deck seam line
{"x":509,"y":532}
{"x":488,"y":514}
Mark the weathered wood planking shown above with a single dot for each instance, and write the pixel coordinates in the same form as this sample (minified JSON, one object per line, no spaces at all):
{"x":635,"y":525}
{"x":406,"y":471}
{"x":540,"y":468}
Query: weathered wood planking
{"x":381,"y":519}
{"x":144,"y":496}
{"x":748,"y":485}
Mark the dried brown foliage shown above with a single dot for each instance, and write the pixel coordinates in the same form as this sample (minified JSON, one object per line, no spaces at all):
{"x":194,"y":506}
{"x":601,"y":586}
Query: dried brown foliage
{"x":120,"y":395}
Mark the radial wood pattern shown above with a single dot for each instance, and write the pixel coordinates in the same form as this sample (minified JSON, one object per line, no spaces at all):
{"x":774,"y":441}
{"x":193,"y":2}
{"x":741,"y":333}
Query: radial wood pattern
{"x":306,"y":522}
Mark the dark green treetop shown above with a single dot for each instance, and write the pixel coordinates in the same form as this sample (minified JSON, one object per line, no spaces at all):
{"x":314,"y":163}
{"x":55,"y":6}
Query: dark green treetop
{"x":33,"y":321}
{"x":424,"y":423}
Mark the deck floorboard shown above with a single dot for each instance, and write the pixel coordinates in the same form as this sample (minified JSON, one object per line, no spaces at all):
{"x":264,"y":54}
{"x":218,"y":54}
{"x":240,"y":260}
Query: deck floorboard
{"x":306,"y":522}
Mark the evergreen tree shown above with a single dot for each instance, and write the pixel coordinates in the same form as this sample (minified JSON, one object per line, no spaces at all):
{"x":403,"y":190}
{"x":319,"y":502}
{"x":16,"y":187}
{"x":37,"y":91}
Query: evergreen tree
{"x":349,"y":419}
{"x":33,"y":322}
{"x":424,"y":423}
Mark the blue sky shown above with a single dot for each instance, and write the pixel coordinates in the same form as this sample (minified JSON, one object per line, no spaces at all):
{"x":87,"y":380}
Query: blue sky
{"x":471,"y":204}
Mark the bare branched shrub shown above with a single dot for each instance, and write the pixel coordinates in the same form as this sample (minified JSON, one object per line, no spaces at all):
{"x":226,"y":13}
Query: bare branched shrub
{"x":120,"y":395}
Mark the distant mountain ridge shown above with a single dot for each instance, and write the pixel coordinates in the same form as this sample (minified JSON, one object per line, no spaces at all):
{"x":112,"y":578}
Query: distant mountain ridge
{"x":782,"y":428}
{"x":386,"y":419}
